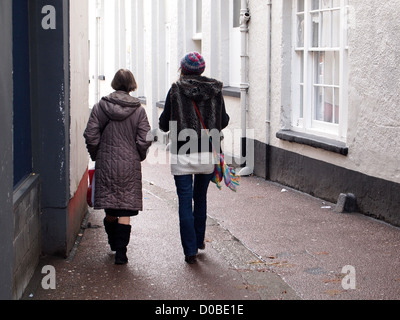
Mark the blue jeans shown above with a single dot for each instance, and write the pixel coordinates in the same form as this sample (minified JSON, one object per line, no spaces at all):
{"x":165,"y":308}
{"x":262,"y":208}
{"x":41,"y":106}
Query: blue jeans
{"x":192,"y":219}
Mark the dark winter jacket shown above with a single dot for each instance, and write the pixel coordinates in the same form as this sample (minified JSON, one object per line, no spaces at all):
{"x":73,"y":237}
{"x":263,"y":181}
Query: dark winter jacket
{"x":179,"y":107}
{"x":117,"y":138}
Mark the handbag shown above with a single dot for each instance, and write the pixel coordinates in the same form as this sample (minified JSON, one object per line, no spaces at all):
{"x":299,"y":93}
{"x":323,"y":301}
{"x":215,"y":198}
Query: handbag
{"x":90,"y":190}
{"x":221,"y":170}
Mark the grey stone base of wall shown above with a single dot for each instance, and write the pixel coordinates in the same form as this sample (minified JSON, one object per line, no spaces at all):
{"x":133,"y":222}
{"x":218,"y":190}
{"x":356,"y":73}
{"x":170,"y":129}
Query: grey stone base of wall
{"x":27,"y":238}
{"x":375,"y":197}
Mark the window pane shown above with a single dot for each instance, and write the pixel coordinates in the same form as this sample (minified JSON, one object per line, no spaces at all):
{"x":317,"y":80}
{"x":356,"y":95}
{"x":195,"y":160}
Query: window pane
{"x":326,"y":4}
{"x":326,"y":68}
{"x":329,"y":65}
{"x":315,"y":5}
{"x":236,"y":13}
{"x":315,"y":30}
{"x":326,"y":29}
{"x":337,"y":110}
{"x":301,"y":101}
{"x":336,"y":68}
{"x":318,"y":108}
{"x":319,"y":58}
{"x":301,"y":67}
{"x":326,"y":109}
{"x":328,"y":105}
{"x":336,"y":28}
{"x":300,"y":5}
{"x":300,"y":30}
{"x":301,"y":80}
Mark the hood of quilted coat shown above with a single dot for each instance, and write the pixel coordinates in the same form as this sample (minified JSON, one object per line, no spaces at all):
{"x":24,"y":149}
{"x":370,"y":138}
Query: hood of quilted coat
{"x":119,"y":105}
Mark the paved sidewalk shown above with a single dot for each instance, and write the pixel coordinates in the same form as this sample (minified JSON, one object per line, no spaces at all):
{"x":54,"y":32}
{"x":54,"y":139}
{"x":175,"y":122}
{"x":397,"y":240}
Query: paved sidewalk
{"x":265,"y":242}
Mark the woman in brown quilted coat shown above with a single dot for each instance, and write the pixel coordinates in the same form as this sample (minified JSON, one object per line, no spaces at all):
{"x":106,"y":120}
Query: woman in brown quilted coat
{"x":117,"y":138}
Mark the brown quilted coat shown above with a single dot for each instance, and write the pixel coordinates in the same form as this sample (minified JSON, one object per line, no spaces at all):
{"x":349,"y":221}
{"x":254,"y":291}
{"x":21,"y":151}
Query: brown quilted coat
{"x":117,"y":138}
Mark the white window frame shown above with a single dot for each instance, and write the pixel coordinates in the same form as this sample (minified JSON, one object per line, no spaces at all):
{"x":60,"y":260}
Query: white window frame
{"x":197,"y":19}
{"x":304,"y":117}
{"x":167,"y":55}
{"x":234,"y":48}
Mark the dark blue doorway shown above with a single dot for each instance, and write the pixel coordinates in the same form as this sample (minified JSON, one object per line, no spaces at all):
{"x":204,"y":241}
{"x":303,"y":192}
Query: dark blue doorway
{"x":21,"y":94}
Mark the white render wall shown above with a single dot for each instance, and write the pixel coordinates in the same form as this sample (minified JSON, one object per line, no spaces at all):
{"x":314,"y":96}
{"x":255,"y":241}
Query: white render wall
{"x":374,"y":72}
{"x":79,"y":67}
{"x":155,"y":58}
{"x":373,"y":90}
{"x":258,"y":70}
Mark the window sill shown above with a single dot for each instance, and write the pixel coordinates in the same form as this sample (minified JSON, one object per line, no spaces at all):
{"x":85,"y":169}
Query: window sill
{"x":24,"y":188}
{"x":197,"y":36}
{"x":231,"y":92}
{"x":314,"y":141}
{"x":160,"y":104}
{"x":143,"y":100}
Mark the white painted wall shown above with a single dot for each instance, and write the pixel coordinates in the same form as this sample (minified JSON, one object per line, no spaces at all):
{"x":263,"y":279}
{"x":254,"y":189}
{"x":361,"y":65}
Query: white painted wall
{"x":258,"y":66}
{"x":374,"y":71}
{"x":232,"y":134}
{"x":79,"y":53}
{"x":374,"y":95}
{"x":147,"y":45}
{"x":373,"y":91}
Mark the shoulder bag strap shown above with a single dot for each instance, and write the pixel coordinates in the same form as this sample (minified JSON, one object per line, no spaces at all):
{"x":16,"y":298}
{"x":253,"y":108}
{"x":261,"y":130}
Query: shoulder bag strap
{"x":205,"y":128}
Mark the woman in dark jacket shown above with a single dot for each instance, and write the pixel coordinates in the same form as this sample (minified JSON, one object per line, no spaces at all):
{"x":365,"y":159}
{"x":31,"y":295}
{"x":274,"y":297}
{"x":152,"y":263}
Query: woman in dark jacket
{"x":191,"y":150}
{"x":117,"y":139}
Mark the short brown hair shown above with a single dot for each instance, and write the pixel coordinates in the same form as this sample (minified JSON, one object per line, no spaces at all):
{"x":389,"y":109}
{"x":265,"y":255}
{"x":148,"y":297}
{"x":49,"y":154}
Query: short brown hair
{"x":124,"y":81}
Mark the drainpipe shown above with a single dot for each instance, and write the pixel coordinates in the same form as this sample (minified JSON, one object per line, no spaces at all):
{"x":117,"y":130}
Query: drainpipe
{"x":244,"y":85}
{"x":268,"y":107}
{"x":268,"y":113}
{"x":98,"y":9}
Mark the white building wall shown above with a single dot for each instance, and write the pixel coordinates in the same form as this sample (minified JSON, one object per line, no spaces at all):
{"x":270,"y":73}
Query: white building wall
{"x":373,"y":94}
{"x":108,"y":44}
{"x":110,"y":59}
{"x":79,"y":57}
{"x":158,"y":35}
{"x":258,"y":67}
{"x":279,"y":58}
{"x":373,"y":89}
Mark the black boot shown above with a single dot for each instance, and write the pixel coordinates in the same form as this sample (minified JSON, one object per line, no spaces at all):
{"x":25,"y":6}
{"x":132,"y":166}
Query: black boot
{"x":121,"y":241}
{"x":110,"y":230}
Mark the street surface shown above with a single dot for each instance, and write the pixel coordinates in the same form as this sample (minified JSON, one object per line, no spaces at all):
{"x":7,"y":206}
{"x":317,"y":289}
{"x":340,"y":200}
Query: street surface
{"x":265,"y":242}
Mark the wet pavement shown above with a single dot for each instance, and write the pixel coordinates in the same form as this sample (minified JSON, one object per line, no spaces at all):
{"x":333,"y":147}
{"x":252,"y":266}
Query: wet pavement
{"x":265,"y":242}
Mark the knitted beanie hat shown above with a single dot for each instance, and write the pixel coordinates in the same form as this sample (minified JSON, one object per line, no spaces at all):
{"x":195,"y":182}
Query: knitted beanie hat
{"x":193,"y":63}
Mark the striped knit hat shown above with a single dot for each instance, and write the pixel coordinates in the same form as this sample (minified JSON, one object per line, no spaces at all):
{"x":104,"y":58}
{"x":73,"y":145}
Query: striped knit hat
{"x":193,"y":63}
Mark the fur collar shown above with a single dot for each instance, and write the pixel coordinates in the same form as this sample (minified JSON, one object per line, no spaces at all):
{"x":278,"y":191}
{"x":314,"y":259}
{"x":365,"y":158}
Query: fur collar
{"x":198,"y":87}
{"x":206,"y":93}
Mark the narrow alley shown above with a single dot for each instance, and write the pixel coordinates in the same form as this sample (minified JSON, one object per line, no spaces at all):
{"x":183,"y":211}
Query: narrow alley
{"x":265,"y":242}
